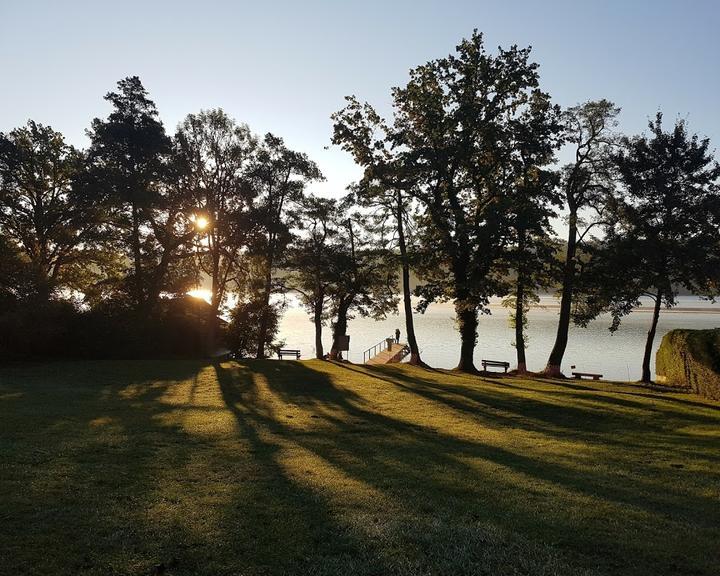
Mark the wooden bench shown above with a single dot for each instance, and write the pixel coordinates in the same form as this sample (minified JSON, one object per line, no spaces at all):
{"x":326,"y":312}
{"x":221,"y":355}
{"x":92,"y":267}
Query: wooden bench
{"x":495,"y":363}
{"x":580,"y":375}
{"x":288,"y":352}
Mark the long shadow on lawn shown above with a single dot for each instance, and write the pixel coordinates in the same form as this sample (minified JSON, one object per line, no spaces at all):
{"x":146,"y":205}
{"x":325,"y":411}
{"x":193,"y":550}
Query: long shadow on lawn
{"x":594,"y":416}
{"x":664,"y":394}
{"x":130,"y":495}
{"x":564,"y":422}
{"x":281,"y":524}
{"x":92,"y":467}
{"x":428,"y":474}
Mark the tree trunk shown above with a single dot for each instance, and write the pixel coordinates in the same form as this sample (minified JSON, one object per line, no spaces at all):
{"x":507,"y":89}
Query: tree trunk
{"x":317,"y":320}
{"x":211,"y":336}
{"x":137,"y":258}
{"x":262,"y":332}
{"x":554,"y":362}
{"x":339,"y":329}
{"x":156,"y":282}
{"x":467,"y":319}
{"x":519,"y":326}
{"x":407,"y":302}
{"x":520,"y":304}
{"x":215,"y":298}
{"x":650,"y":338}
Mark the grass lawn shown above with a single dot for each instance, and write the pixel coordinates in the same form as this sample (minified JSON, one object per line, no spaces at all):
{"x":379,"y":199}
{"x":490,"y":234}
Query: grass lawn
{"x":267,"y":467}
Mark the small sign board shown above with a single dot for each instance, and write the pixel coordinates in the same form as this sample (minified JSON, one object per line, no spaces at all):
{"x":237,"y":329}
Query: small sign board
{"x":343,"y":342}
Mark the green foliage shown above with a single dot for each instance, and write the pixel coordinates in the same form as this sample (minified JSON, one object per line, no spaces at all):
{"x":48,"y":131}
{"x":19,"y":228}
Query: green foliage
{"x":246,"y":319}
{"x":56,"y":228}
{"x":215,"y":154}
{"x":279,"y":177}
{"x":691,"y":359}
{"x":586,"y":186}
{"x":308,"y":259}
{"x":132,"y":173}
{"x":362,"y":279}
{"x":663,"y":233}
{"x":466,"y":130}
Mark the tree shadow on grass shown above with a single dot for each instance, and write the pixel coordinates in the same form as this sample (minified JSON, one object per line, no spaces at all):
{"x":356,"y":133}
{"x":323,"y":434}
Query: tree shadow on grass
{"x":284,"y":525}
{"x":429,"y":474}
{"x":365,"y":521}
{"x":564,"y":422}
{"x":89,"y":457}
{"x":584,"y":413}
{"x":289,"y":467}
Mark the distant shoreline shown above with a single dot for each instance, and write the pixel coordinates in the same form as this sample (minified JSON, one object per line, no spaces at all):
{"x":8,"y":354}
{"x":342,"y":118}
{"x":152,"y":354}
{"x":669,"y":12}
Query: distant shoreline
{"x":679,"y":309}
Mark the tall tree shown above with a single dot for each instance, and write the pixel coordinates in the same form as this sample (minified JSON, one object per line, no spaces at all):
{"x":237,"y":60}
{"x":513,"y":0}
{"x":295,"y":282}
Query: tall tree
{"x":383,"y":189}
{"x":174,"y":226}
{"x":216,"y":155}
{"x":664,"y":231}
{"x":585,"y":184}
{"x":279,"y":178}
{"x":361,"y":281}
{"x":532,"y":249}
{"x":58,"y":229}
{"x":128,"y":153}
{"x":309,"y":260}
{"x":452,"y":129}
{"x":394,"y":204}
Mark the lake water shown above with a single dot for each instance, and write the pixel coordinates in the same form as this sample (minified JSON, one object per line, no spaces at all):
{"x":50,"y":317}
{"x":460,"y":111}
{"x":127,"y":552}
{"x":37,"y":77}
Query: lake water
{"x":617,"y":356}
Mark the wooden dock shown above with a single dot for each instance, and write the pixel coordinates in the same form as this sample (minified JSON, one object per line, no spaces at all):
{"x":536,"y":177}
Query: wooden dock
{"x":389,"y":356}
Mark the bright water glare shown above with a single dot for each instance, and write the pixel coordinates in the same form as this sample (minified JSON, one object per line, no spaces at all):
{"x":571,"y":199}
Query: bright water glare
{"x":617,"y":356}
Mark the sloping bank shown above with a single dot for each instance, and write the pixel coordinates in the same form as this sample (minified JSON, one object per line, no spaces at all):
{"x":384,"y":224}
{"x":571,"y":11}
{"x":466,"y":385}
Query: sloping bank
{"x":690,"y":359}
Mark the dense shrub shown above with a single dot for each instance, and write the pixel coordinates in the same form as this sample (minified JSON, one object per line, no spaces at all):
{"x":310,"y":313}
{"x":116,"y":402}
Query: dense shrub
{"x":691,"y":359}
{"x":57,"y":329}
{"x":244,"y":328}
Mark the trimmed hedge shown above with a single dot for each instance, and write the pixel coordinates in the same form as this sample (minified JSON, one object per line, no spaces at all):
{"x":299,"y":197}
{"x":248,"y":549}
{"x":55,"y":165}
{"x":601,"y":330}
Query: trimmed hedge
{"x":690,"y":359}
{"x":56,"y":329}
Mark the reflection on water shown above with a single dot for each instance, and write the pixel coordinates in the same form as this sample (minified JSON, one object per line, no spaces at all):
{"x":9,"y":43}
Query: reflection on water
{"x":593,"y":349}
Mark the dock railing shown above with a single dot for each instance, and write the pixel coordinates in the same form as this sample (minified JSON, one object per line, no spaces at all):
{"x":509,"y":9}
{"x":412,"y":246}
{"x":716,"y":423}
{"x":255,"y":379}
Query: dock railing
{"x":374,"y":350}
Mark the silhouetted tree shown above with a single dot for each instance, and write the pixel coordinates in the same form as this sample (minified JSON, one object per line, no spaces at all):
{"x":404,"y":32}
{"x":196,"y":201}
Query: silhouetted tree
{"x":308,"y":260}
{"x":585,"y":184}
{"x":173,"y":225}
{"x":383,"y":189}
{"x":56,"y":228}
{"x":216,"y":154}
{"x":663,"y":231}
{"x":361,"y":280}
{"x":128,"y":154}
{"x":453,"y":125}
{"x":17,"y":283}
{"x":279,"y":178}
{"x":245,"y":320}
{"x":532,"y":249}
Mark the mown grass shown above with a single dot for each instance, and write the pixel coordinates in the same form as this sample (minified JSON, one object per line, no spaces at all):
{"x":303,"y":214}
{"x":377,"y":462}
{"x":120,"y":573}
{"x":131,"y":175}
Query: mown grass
{"x":271,"y":467}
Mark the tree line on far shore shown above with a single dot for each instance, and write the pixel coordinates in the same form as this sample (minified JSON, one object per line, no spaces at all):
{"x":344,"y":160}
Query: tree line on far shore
{"x":99,"y":247}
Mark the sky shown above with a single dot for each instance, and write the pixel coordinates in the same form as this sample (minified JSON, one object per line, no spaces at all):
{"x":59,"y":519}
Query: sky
{"x":284,"y":67}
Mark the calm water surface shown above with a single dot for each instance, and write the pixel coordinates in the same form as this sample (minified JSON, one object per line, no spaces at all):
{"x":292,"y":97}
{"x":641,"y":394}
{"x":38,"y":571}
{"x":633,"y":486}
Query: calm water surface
{"x":617,"y":356}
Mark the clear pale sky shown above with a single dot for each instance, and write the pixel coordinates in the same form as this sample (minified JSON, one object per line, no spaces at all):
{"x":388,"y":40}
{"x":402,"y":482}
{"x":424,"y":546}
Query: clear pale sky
{"x":285,"y":66}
